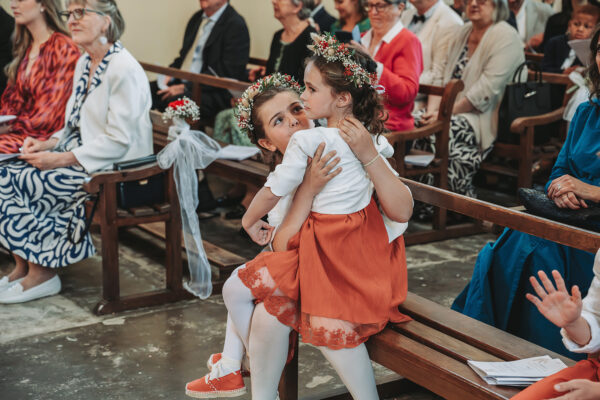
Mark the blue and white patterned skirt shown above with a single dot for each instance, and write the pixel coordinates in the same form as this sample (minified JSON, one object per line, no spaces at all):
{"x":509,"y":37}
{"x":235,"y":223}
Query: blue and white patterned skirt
{"x":35,"y":210}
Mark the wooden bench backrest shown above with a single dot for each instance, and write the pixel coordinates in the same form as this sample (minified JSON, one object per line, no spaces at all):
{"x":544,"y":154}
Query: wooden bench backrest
{"x":544,"y":228}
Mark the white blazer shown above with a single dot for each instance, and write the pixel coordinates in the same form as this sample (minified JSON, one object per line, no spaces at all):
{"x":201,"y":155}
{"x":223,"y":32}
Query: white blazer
{"x":434,"y":38}
{"x":115,"y":117}
{"x":490,"y":68}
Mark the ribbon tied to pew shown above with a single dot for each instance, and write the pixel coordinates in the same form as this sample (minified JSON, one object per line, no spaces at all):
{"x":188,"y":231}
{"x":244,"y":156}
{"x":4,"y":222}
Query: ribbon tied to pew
{"x":189,"y":151}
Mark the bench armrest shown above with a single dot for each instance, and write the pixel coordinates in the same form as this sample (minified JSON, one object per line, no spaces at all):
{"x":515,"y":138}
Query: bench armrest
{"x":417,"y":133}
{"x":93,"y":183}
{"x":519,"y":125}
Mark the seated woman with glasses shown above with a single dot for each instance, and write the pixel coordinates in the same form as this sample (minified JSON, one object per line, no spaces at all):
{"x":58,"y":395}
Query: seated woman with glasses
{"x":107,"y":120}
{"x":399,"y":58}
{"x":484,"y":54}
{"x":40,"y":76}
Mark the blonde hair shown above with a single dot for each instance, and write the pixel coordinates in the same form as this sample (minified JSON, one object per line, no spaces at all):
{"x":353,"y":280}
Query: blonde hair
{"x":109,"y":8}
{"x":23,"y":38}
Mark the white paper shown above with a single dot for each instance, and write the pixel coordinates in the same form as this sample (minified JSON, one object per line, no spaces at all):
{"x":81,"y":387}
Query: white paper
{"x":238,"y":153}
{"x":517,"y":373}
{"x":234,"y":93}
{"x":160,"y":81}
{"x":5,"y":118}
{"x":4,"y":157}
{"x":420,"y":160}
{"x":582,"y":49}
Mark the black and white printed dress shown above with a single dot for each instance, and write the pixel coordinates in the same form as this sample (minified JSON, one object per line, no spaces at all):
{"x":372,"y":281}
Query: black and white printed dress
{"x":464,"y":154}
{"x":37,"y":207}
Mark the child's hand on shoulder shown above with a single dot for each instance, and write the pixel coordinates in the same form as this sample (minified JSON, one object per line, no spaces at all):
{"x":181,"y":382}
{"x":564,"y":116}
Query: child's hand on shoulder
{"x":358,"y":138}
{"x":556,"y":304}
{"x":319,"y":170}
{"x":261,"y":232}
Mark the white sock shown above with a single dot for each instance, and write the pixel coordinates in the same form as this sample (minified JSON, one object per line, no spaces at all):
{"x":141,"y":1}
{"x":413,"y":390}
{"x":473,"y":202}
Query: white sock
{"x":240,"y":305}
{"x":233,"y":348}
{"x":355,"y":370}
{"x":269,"y":343}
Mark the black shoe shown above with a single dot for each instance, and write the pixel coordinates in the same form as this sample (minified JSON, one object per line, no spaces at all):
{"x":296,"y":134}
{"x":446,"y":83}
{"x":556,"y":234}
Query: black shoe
{"x":206,"y":201}
{"x":227,"y":201}
{"x":236,"y":213}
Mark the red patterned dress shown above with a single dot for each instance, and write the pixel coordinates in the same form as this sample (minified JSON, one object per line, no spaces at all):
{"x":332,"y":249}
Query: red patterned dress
{"x":39,"y":99}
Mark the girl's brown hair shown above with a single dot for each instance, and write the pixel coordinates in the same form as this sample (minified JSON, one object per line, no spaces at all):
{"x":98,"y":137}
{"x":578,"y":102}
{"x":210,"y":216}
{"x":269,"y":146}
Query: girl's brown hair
{"x":272,"y":158}
{"x":23,"y":39}
{"x":367,"y":103}
{"x":592,"y":71}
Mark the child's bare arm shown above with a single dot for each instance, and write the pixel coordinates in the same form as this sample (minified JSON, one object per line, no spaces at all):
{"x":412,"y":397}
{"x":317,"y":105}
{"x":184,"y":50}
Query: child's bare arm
{"x":318,"y":173}
{"x":261,"y":204}
{"x":395,"y":198}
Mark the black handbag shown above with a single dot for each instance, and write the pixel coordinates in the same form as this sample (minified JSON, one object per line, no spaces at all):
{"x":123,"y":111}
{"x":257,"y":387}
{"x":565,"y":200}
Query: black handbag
{"x":522,"y":99}
{"x":143,"y":192}
{"x":538,"y":203}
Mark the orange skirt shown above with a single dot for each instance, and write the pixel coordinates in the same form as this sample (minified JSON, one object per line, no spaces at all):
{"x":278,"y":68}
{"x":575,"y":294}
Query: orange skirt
{"x":339,"y":282}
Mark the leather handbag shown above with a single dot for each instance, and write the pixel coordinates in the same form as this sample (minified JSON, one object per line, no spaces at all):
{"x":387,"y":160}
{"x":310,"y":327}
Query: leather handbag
{"x":538,"y":203}
{"x":143,"y":192}
{"x":522,"y":99}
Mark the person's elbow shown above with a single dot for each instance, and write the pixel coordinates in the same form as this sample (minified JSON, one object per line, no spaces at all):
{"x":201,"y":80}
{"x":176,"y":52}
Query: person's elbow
{"x":401,"y":215}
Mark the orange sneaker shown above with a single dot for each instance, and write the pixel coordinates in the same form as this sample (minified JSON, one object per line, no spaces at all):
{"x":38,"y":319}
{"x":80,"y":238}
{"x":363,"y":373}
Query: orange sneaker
{"x":230,"y":385}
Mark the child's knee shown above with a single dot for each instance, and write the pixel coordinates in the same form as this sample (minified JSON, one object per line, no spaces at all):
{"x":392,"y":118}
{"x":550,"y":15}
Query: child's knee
{"x":234,"y":289}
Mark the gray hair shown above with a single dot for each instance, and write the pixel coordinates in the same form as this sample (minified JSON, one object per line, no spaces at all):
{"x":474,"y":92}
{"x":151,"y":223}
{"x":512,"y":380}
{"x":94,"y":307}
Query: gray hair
{"x":307,"y":7}
{"x":501,"y":11}
{"x":395,"y":2}
{"x":108,"y":7}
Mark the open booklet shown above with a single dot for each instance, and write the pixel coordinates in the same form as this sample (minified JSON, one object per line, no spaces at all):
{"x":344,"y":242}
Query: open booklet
{"x":582,"y":49}
{"x":5,"y":157}
{"x":7,"y":118}
{"x":234,"y":93}
{"x":517,"y":373}
{"x":234,"y":152}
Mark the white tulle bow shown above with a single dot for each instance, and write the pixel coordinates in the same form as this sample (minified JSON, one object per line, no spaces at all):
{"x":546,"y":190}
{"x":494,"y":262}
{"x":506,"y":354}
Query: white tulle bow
{"x":189,"y":151}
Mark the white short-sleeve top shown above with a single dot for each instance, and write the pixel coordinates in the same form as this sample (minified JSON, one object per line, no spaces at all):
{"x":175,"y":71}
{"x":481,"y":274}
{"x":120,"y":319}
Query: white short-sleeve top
{"x":347,"y":193}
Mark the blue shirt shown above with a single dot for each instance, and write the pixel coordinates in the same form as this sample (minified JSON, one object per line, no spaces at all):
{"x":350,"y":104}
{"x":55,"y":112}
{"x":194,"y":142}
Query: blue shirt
{"x":578,"y":156}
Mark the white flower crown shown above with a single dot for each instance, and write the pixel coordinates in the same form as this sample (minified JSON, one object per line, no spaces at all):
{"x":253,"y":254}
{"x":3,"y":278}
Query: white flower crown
{"x":246,"y":102}
{"x":332,"y":50}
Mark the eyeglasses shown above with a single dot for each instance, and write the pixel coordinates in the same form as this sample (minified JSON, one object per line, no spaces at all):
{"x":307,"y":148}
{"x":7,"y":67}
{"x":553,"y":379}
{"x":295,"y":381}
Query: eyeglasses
{"x":379,"y":7}
{"x":78,"y":13}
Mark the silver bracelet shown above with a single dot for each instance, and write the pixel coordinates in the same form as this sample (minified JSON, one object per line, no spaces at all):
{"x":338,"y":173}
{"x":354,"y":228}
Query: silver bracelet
{"x":372,"y":161}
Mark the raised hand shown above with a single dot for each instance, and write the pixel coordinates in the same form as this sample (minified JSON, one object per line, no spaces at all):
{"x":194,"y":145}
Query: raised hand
{"x":556,"y":304}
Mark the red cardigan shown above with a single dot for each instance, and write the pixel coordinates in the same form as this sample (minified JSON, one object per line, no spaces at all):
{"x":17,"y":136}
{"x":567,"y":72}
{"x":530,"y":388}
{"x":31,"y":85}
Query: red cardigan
{"x":402,"y":61}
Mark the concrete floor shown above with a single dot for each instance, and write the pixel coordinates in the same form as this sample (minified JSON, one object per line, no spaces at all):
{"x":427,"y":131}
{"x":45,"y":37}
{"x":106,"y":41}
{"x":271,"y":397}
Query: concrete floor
{"x":55,"y":348}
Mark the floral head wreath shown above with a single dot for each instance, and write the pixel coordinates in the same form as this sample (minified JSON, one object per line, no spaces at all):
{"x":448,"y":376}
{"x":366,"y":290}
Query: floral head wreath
{"x":246,"y":102}
{"x":332,"y":50}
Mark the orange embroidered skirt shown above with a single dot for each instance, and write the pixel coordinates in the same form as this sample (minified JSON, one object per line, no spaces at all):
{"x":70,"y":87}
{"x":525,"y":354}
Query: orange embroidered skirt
{"x":339,"y":282}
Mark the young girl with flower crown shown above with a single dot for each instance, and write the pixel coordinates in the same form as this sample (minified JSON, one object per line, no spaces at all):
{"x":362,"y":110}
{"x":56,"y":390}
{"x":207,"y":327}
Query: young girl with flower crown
{"x":338,"y":272}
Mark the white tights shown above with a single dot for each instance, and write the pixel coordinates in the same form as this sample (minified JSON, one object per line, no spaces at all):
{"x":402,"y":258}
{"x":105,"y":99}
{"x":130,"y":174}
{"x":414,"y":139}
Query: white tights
{"x":267,"y":341}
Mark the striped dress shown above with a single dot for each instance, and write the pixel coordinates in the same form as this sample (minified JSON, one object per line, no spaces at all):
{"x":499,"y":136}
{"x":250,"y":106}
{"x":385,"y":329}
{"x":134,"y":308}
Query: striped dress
{"x":42,"y":213}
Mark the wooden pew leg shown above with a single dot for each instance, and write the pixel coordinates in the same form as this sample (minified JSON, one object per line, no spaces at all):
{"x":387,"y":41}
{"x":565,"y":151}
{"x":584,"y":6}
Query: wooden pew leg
{"x":110,"y":267}
{"x":288,"y":385}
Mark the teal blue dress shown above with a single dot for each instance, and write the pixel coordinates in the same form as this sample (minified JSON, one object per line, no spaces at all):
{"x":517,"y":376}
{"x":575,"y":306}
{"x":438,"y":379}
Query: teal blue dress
{"x":496,"y":293}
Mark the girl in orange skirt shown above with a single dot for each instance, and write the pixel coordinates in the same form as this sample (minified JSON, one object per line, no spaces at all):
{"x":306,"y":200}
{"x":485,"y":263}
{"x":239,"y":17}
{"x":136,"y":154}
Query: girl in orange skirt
{"x":340,"y":278}
{"x":580,"y":323}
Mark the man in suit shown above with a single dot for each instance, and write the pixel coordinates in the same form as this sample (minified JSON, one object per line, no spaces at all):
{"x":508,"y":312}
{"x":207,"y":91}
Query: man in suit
{"x":431,"y":21}
{"x":7,"y":27}
{"x":216,"y":42}
{"x":321,"y":17}
{"x":531,"y":17}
